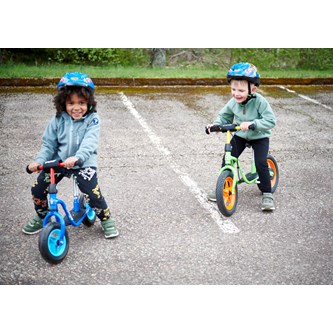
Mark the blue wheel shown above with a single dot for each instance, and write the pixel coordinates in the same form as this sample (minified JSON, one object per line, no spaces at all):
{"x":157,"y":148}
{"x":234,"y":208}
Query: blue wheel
{"x":50,"y":246}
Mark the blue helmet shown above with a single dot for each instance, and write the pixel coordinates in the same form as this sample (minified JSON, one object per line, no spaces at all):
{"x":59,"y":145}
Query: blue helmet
{"x":76,"y":79}
{"x":244,"y":71}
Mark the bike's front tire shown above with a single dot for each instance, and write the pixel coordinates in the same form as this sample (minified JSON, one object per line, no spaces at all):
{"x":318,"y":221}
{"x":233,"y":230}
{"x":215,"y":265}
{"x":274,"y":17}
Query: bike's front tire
{"x":226,"y":200}
{"x":50,"y":247}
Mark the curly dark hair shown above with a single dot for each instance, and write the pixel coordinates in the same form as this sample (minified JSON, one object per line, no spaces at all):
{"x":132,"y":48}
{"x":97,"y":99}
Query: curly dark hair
{"x":59,"y":100}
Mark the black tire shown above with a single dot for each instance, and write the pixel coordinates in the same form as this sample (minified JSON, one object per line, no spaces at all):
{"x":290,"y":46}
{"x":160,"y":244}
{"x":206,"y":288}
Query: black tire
{"x":49,"y":246}
{"x":226,"y":201}
{"x":90,"y":219}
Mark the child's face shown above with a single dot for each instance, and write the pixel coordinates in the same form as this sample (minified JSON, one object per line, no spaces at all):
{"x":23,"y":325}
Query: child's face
{"x":240,"y":90}
{"x":76,"y":106}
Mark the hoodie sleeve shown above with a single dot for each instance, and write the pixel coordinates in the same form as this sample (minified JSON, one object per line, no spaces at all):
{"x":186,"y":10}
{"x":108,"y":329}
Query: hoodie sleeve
{"x":90,"y":141}
{"x":49,"y":143}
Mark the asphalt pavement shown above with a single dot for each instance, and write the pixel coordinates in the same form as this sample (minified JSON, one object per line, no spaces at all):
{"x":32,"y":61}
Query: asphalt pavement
{"x":156,"y":166}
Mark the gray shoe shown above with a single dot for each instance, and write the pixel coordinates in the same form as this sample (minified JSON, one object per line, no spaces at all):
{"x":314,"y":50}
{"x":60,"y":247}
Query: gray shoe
{"x":267,"y":202}
{"x":212,"y":196}
{"x":109,"y":228}
{"x":34,"y":226}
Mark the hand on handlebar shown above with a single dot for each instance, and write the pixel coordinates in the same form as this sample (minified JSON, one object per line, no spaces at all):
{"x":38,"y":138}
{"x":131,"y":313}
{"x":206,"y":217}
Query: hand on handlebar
{"x":246,"y":125}
{"x":33,"y":167}
{"x":70,"y":162}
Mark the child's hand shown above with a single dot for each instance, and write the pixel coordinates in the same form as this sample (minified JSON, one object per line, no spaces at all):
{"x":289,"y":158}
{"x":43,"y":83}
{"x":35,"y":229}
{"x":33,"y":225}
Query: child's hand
{"x":245,"y":125}
{"x":70,"y":162}
{"x":33,"y":167}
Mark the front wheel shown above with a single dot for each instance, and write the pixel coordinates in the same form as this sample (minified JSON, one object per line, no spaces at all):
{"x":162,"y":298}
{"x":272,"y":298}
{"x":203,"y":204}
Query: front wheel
{"x":51,"y":248}
{"x":226,"y":200}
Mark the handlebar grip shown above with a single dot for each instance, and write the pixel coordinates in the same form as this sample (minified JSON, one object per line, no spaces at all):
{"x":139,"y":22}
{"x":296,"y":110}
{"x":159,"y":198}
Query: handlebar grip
{"x":40,"y":167}
{"x":79,"y":163}
{"x":214,"y":128}
{"x":27,"y":170}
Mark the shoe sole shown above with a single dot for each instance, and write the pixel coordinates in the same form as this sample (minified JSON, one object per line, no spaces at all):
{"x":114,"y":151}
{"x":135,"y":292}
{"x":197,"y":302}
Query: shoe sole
{"x":212,"y":200}
{"x":112,"y":236}
{"x":31,"y":232}
{"x":268,"y":209}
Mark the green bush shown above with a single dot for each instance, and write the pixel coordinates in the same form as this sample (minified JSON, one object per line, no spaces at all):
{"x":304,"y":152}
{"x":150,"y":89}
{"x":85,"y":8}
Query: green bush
{"x":263,"y":58}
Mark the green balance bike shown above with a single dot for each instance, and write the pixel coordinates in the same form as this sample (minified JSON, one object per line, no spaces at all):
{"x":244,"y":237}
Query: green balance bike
{"x":232,"y":174}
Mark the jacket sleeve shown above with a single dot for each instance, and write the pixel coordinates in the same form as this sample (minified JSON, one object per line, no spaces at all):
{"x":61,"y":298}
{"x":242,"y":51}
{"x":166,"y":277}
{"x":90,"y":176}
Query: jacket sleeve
{"x":226,"y":115}
{"x":267,"y":119}
{"x":49,"y":143}
{"x":90,"y":141}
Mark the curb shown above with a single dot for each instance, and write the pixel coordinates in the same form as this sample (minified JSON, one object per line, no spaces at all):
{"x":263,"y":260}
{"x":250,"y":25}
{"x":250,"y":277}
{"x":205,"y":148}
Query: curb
{"x":132,"y":82}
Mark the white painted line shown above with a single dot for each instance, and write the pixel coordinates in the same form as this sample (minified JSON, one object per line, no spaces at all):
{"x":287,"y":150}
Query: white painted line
{"x":306,"y":97}
{"x":225,"y":225}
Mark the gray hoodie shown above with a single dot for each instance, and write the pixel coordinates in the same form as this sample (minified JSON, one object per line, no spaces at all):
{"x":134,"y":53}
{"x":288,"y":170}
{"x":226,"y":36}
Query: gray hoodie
{"x":65,"y":137}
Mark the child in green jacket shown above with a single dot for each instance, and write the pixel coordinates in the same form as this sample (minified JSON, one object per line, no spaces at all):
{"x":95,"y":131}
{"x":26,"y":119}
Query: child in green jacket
{"x":247,"y":107}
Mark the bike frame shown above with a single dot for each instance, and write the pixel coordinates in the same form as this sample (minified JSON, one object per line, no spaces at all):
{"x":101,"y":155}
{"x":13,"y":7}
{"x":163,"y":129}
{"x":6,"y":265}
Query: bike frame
{"x":54,"y":202}
{"x":231,"y":162}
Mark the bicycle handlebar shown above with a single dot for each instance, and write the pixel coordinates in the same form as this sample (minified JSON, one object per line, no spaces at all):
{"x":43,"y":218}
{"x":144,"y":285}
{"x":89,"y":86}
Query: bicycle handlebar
{"x":53,"y":164}
{"x":226,"y":128}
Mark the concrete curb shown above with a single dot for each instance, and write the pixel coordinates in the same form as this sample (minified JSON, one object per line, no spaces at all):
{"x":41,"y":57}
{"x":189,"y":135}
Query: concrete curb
{"x":132,"y":82}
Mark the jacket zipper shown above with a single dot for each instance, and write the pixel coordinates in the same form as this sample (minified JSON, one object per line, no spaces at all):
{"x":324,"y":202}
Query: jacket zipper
{"x":70,"y":138}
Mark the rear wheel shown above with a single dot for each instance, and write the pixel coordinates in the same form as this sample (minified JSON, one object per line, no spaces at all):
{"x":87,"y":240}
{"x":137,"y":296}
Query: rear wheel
{"x":226,"y":200}
{"x":90,"y":218}
{"x":273,"y":171}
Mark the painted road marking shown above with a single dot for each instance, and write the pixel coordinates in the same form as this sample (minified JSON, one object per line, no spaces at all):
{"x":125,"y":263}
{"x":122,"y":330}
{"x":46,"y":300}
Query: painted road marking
{"x":306,"y":98}
{"x":225,"y":225}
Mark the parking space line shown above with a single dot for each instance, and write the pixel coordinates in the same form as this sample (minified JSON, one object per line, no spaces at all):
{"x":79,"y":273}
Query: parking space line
{"x":224,"y":224}
{"x":306,"y":98}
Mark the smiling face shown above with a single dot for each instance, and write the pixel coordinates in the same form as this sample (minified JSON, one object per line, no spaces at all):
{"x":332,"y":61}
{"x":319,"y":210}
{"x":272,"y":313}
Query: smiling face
{"x":240,"y":90}
{"x":76,"y":106}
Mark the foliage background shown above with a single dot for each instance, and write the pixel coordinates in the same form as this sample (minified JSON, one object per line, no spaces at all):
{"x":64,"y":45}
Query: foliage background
{"x":269,"y":58}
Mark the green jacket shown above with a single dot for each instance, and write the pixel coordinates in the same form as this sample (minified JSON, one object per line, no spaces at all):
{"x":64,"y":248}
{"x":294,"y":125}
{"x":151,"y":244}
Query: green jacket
{"x":257,"y":111}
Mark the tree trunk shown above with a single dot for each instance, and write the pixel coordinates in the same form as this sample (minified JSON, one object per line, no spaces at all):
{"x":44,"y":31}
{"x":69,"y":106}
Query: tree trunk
{"x":158,"y":58}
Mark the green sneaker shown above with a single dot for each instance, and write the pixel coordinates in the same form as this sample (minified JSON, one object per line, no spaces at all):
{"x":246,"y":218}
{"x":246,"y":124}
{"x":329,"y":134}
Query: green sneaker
{"x":34,"y":226}
{"x":267,"y":202}
{"x":211,"y":196}
{"x":109,"y":228}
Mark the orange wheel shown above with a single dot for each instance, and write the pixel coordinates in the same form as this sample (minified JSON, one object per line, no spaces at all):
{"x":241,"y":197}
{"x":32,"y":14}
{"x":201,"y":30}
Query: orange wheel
{"x":273,"y":171}
{"x":226,"y":200}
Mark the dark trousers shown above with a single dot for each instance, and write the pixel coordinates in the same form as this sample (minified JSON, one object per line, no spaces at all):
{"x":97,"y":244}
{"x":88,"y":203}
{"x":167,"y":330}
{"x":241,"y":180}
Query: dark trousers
{"x":87,"y":181}
{"x":260,"y":147}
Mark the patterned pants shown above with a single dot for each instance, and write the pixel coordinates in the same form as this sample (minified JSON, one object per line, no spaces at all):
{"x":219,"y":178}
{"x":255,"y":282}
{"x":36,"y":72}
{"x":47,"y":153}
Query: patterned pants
{"x":87,"y":181}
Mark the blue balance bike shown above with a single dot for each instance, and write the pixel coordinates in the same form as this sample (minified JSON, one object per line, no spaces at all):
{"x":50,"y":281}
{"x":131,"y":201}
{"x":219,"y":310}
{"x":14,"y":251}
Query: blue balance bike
{"x":54,"y":240}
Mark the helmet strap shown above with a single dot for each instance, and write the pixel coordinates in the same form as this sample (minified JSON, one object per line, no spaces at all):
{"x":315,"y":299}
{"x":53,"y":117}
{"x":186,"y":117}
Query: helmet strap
{"x":249,"y":95}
